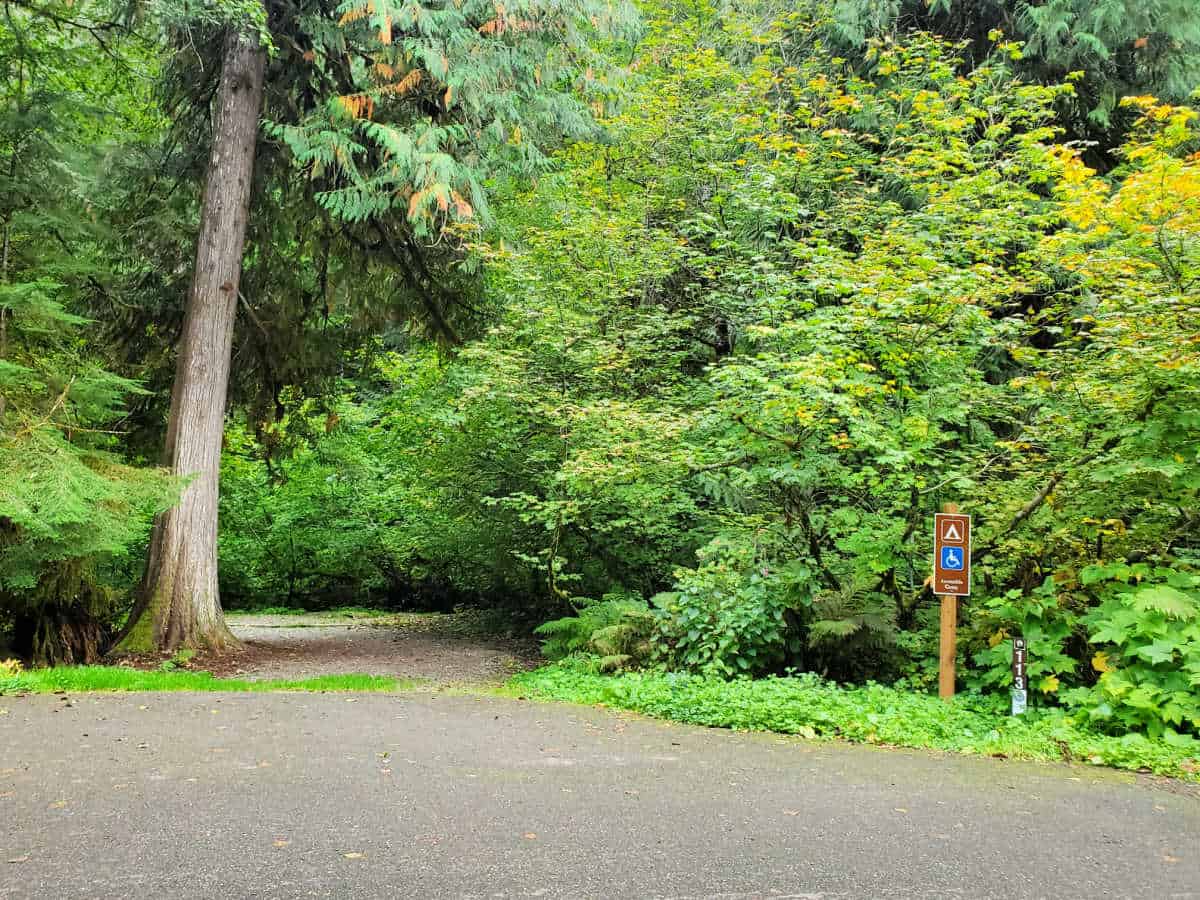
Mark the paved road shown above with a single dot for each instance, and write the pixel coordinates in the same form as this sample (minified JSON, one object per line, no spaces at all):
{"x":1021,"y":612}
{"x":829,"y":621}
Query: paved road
{"x":428,"y":795}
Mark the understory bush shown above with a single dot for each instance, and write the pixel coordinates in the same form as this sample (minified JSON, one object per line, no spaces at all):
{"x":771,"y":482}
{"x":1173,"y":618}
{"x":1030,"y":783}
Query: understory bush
{"x":616,"y":629}
{"x":726,"y":617}
{"x":1045,"y":617}
{"x":1146,"y":637}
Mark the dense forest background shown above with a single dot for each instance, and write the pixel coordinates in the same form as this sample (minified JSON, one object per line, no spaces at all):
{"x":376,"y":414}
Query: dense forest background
{"x":672,"y":327}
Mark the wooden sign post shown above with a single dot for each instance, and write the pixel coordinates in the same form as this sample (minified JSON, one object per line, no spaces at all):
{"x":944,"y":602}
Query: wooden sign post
{"x":947,"y":646}
{"x":951,"y":580}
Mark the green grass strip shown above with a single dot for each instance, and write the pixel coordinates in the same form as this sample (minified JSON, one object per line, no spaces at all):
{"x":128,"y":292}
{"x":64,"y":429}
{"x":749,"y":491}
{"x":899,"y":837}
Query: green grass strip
{"x":82,"y":679}
{"x":873,"y":714}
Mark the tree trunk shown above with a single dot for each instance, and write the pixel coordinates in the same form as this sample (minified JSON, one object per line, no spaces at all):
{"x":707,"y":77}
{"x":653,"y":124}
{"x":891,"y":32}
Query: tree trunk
{"x":4,"y":309}
{"x":179,"y":605}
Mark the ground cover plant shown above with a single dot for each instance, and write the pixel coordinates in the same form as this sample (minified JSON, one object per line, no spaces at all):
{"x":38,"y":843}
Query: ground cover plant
{"x":806,"y":705}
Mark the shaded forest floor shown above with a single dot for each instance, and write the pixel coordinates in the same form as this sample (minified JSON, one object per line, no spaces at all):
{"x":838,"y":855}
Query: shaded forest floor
{"x":441,"y":648}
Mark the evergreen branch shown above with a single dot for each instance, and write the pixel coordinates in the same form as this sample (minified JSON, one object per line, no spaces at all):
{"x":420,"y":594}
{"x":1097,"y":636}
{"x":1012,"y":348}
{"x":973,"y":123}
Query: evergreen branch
{"x":421,"y":290}
{"x":62,"y":399}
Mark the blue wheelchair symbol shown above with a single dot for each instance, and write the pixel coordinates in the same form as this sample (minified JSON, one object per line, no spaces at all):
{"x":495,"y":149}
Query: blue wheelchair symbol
{"x":952,"y":559}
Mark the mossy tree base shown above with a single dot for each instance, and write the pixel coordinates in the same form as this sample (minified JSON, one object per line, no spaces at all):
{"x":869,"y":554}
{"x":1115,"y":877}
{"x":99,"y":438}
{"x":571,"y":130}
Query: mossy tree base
{"x":179,"y":603}
{"x":174,"y":617}
{"x":63,"y":622}
{"x":60,"y":636}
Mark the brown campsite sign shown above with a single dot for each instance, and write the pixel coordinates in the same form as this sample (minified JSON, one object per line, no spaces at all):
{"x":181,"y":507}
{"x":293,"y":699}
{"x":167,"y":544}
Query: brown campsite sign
{"x":951,"y":580}
{"x":952,"y":555}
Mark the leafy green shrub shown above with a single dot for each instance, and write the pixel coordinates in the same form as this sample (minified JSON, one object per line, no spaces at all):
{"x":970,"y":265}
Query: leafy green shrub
{"x":616,"y":628}
{"x":728,"y":616}
{"x":1044,"y":618}
{"x":734,"y":616}
{"x":917,"y":652}
{"x":1148,"y":651}
{"x":303,"y":530}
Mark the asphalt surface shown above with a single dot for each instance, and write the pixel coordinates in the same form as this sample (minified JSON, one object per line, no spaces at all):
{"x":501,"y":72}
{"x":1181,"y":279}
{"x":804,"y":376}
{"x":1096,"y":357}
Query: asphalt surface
{"x":436,"y":795}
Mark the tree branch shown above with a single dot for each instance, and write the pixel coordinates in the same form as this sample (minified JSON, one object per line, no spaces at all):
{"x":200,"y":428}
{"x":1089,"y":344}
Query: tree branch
{"x":422,"y":290}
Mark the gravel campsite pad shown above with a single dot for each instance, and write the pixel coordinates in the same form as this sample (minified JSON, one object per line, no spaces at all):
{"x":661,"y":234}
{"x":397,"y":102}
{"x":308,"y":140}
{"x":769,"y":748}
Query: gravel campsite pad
{"x":433,"y":647}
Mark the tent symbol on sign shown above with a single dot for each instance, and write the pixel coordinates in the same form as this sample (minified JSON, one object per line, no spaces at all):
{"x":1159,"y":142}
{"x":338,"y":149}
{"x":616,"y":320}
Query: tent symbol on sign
{"x":952,"y":533}
{"x":952,"y":559}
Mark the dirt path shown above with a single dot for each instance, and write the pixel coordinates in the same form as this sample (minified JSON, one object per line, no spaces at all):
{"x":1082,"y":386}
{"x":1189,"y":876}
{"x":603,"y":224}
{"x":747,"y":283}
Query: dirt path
{"x":439,"y":648}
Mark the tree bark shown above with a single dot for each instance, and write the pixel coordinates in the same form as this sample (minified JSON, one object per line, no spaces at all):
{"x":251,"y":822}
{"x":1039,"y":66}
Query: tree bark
{"x":179,"y":603}
{"x":3,"y":309}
